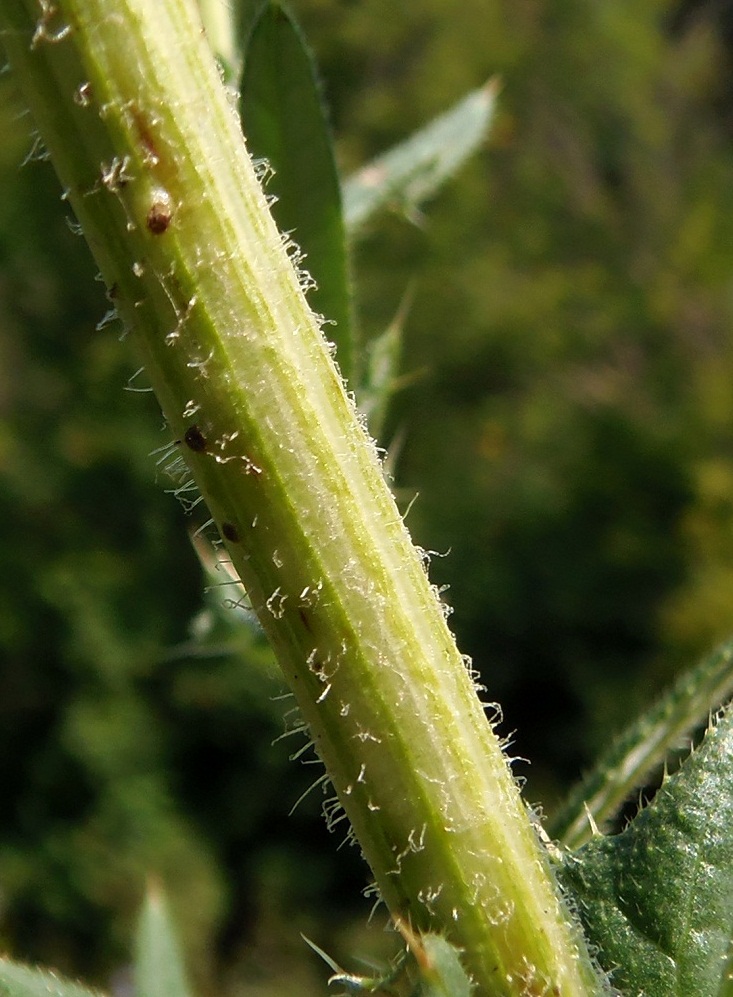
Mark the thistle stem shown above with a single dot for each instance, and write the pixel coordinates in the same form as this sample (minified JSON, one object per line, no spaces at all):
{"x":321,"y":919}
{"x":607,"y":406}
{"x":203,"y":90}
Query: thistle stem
{"x":128,"y":100}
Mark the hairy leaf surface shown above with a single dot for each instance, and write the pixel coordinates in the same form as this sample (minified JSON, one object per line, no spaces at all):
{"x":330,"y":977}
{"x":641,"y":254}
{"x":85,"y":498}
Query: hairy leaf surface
{"x":657,"y":900}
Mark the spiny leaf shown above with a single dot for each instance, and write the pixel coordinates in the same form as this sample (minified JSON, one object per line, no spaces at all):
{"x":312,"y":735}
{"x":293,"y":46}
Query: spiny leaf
{"x":431,"y":967}
{"x":24,"y":981}
{"x":159,"y":969}
{"x":359,"y":986}
{"x":657,"y":900}
{"x":285,"y":124}
{"x":643,"y":747}
{"x":414,"y":170}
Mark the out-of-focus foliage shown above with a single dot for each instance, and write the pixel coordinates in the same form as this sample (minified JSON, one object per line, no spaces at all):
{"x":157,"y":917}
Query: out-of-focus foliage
{"x":407,"y":175}
{"x":159,"y":967}
{"x":570,"y":444}
{"x":570,"y":440}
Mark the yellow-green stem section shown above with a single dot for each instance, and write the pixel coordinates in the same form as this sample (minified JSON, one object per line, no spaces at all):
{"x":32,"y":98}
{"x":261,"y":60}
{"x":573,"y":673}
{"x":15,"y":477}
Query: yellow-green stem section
{"x":127,"y":98}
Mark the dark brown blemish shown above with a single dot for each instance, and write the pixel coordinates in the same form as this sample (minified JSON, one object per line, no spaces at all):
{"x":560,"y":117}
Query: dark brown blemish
{"x":159,"y":216}
{"x":230,"y":532}
{"x":194,"y":439}
{"x":304,"y":620}
{"x":146,"y":136}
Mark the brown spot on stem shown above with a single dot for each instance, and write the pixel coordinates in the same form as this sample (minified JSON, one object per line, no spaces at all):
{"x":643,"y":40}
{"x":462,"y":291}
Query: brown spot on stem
{"x":145,"y":135}
{"x":195,"y":439}
{"x":230,"y":532}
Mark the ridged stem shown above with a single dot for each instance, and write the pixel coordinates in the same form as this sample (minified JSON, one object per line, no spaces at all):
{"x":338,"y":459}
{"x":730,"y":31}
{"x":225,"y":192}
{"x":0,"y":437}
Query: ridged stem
{"x":127,"y":98}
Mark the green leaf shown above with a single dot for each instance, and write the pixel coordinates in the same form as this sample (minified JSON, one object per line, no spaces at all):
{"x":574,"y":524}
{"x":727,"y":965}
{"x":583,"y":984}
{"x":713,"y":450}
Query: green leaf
{"x":246,"y":13}
{"x":381,"y":380}
{"x":23,"y":981}
{"x":643,"y":747}
{"x":441,"y":972}
{"x":413,"y":171}
{"x":159,"y":969}
{"x":657,"y":900}
{"x":285,"y":124}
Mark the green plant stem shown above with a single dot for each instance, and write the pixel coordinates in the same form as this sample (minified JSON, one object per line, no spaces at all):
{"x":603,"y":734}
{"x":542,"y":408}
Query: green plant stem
{"x":127,"y":98}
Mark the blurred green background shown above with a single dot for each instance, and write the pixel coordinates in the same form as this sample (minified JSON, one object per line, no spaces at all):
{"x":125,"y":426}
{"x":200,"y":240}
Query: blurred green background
{"x":569,"y":437}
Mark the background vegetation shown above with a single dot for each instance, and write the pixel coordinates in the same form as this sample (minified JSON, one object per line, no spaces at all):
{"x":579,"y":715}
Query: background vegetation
{"x":568,"y":430}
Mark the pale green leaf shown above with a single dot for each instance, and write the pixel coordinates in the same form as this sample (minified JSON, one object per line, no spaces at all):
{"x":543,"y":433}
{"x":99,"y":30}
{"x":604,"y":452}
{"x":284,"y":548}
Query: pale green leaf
{"x":381,"y":380}
{"x":441,"y":972}
{"x":159,"y":969}
{"x":411,"y":172}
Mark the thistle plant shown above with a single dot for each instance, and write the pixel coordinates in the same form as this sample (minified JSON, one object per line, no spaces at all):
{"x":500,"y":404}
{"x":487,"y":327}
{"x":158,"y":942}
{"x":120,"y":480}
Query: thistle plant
{"x":144,"y":135}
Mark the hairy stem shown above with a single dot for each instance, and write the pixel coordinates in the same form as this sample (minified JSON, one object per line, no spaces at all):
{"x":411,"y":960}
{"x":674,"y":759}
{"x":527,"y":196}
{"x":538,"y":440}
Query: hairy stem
{"x":127,"y":98}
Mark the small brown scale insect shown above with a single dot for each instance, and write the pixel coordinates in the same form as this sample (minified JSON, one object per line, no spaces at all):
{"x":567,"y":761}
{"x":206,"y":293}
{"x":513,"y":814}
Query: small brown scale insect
{"x":160,"y":213}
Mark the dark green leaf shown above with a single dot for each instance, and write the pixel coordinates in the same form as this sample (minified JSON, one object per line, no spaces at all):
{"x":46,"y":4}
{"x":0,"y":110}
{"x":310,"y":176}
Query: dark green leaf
{"x":413,"y":171}
{"x":159,"y":969}
{"x":657,"y":900}
{"x":23,"y":981}
{"x":285,"y":123}
{"x":246,"y":13}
